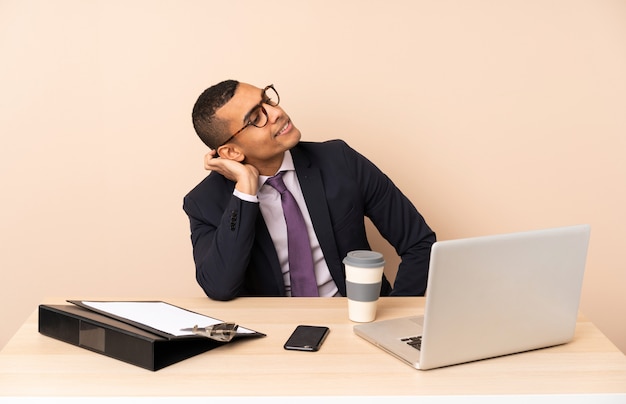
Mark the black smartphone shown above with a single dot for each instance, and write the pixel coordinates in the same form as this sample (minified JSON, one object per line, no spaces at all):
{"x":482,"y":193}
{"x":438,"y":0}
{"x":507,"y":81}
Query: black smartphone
{"x":307,"y":338}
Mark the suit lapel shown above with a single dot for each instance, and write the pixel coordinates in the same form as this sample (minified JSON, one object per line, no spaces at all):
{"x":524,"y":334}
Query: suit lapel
{"x":312,"y":187}
{"x":268,"y":249}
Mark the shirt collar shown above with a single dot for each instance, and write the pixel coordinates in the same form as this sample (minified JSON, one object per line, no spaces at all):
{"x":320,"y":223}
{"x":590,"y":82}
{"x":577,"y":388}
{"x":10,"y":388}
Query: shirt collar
{"x":287,"y":165}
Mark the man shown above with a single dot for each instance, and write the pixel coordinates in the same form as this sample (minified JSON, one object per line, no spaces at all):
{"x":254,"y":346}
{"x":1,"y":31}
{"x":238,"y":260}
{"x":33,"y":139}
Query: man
{"x":238,"y":230}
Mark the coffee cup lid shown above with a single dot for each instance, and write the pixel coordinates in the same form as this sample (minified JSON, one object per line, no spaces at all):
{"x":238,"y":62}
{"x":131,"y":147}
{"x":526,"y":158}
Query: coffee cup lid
{"x":364,"y":259}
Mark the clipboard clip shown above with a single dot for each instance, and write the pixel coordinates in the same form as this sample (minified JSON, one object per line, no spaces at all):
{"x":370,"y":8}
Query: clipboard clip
{"x":223,"y":332}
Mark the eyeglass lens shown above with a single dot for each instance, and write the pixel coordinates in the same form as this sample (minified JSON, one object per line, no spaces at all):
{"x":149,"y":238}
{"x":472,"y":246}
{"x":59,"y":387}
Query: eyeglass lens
{"x":258,"y":116}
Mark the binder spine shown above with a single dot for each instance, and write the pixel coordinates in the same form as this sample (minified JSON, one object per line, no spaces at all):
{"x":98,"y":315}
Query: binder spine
{"x":99,"y":338}
{"x":110,"y":337}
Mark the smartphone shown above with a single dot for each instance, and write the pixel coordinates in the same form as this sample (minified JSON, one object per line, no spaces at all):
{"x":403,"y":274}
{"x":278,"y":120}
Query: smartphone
{"x":307,"y":338}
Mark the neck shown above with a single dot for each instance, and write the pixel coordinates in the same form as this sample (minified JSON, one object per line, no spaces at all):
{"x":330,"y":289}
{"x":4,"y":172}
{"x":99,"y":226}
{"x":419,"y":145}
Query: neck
{"x":269,"y":167}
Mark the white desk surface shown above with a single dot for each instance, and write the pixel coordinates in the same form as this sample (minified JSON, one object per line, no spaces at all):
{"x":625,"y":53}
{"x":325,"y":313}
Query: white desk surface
{"x":33,"y":366}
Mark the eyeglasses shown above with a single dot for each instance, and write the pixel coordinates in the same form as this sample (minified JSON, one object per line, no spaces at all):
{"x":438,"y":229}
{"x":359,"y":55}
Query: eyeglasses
{"x":257,"y":116}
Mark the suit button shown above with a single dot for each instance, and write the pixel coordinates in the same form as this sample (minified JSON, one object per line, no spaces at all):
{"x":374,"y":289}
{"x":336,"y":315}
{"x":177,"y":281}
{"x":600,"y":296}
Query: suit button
{"x":233,"y":220}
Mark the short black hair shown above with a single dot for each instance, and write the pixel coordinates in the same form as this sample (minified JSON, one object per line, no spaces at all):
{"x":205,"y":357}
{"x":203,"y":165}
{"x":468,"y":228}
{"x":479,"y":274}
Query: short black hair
{"x":211,"y":130}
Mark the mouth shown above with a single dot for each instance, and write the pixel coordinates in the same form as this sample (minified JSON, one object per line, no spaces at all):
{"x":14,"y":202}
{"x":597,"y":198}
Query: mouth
{"x":284,"y":129}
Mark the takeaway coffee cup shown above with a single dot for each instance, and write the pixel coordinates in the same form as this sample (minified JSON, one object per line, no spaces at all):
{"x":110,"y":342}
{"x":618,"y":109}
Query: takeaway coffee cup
{"x":364,"y":273}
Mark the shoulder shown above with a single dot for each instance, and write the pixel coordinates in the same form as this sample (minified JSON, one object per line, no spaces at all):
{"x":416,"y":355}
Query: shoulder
{"x":324,"y":151}
{"x":328,"y":145}
{"x":332,"y":158}
{"x":213,"y":186}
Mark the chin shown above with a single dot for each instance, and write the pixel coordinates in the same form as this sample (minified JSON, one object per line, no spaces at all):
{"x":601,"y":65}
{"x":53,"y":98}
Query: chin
{"x":291,"y":138}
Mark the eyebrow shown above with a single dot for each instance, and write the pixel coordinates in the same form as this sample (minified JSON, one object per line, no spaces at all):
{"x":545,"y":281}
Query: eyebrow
{"x":247,"y":116}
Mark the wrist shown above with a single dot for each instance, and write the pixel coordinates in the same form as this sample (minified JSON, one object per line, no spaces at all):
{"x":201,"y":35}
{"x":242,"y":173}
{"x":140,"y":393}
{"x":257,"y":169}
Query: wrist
{"x":248,"y":184}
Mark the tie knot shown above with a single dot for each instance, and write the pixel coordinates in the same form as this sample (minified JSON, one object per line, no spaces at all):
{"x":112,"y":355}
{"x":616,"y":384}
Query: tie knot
{"x":277,"y":182}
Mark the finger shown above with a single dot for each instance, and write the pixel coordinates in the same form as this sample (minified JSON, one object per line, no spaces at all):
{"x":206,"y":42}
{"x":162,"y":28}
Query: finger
{"x":207,"y":158}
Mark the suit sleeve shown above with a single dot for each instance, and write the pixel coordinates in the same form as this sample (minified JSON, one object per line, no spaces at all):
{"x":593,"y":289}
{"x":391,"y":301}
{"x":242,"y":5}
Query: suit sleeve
{"x":222,"y":237}
{"x":399,"y":222}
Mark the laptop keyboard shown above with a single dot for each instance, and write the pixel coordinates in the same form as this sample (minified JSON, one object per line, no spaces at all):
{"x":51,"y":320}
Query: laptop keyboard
{"x":415,"y":342}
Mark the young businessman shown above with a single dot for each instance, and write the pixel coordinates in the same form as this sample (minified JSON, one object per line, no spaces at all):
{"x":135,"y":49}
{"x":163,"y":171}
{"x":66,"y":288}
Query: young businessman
{"x":238,"y":227}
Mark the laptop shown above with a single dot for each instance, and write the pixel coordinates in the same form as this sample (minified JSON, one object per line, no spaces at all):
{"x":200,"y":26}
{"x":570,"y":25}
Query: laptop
{"x":491,"y":296}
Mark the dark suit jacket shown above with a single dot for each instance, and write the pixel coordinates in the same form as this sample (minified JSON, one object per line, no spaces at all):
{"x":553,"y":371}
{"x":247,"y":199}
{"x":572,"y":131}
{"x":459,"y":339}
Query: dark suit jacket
{"x":235,"y":256}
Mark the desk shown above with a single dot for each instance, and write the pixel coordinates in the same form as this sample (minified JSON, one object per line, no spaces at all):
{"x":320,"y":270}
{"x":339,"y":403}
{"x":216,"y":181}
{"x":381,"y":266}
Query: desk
{"x":35,"y":365}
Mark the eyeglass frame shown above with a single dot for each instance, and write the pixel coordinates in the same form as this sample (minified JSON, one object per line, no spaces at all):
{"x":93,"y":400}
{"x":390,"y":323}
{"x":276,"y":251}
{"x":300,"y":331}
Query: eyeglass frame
{"x":264,"y":100}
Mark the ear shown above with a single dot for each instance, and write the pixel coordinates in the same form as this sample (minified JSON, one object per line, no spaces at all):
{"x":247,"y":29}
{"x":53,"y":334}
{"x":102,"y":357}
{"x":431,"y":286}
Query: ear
{"x":230,"y":151}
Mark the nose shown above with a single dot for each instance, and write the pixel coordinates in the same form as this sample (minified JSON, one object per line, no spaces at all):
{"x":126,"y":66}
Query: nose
{"x":273,"y":112}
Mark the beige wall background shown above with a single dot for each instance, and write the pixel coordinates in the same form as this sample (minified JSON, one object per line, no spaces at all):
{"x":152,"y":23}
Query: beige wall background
{"x":492,"y":116}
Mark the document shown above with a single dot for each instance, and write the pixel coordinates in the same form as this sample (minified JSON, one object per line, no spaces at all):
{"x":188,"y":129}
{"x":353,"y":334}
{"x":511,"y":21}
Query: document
{"x":160,"y":316}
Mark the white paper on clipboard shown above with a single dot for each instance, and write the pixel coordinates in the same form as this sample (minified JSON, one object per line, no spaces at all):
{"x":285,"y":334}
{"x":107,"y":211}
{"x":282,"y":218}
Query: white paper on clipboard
{"x":158,"y":315}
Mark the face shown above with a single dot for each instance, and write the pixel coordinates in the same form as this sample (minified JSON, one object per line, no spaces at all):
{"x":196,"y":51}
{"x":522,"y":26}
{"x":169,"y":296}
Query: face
{"x":260,"y":146}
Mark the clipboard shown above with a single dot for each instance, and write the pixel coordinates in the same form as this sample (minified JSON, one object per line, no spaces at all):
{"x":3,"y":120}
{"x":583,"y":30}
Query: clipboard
{"x":158,"y":317}
{"x":127,"y":340}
